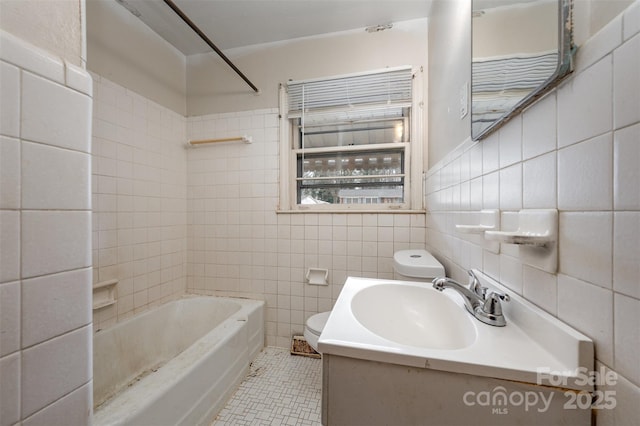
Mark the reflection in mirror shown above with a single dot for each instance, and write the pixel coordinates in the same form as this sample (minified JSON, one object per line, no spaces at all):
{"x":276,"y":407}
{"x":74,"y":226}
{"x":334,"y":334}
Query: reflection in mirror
{"x":520,"y":50}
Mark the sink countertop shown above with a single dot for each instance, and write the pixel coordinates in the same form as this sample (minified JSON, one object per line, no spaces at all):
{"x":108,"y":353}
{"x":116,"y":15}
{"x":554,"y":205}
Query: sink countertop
{"x":531,"y":340}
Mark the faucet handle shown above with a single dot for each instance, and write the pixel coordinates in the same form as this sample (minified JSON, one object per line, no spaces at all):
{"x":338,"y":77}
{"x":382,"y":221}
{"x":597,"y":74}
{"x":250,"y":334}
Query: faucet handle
{"x":475,"y":286}
{"x":491,"y":310}
{"x":492,"y":304}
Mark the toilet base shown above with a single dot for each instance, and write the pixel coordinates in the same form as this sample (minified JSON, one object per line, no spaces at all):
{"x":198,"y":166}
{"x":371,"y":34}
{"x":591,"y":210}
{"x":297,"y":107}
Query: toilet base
{"x":311,"y":339}
{"x":300,"y":346}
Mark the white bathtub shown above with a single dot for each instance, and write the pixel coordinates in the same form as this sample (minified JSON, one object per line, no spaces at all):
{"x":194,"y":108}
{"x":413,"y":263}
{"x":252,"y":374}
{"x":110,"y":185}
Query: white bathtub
{"x":176,"y":364}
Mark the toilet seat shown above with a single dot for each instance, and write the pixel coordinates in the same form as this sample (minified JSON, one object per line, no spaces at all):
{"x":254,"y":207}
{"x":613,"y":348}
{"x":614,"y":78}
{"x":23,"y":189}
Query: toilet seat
{"x":313,"y":328}
{"x":316,"y":322}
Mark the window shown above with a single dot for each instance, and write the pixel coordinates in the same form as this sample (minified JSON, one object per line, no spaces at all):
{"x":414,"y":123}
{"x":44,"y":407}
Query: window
{"x":349,"y":141}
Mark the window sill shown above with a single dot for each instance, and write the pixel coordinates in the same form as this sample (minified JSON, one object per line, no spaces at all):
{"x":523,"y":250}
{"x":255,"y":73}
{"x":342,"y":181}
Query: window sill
{"x":337,"y":211}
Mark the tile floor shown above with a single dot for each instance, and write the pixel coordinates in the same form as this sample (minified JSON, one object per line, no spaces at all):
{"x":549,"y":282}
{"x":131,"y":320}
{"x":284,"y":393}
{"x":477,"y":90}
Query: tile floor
{"x":280,"y":389}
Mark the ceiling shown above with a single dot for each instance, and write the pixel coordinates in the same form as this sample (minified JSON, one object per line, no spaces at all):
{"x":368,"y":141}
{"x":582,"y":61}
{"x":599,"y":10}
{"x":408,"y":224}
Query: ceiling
{"x":238,"y":23}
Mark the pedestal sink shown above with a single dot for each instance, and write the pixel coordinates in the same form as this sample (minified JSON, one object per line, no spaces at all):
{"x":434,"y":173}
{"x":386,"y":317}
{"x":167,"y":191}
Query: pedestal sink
{"x":415,"y":315}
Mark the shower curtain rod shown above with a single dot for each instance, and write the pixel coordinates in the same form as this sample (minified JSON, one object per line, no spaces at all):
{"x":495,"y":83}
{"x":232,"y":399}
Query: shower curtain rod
{"x":203,"y":36}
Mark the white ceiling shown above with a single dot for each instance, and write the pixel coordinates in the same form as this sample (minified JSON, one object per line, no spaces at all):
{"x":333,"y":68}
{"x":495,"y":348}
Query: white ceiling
{"x":237,"y":23}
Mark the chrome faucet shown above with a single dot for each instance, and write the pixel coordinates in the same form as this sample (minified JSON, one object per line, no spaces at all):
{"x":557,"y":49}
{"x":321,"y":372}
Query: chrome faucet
{"x":483,"y":304}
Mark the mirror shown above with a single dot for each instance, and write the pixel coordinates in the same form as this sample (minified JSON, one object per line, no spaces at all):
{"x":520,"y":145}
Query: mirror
{"x":521,"y":49}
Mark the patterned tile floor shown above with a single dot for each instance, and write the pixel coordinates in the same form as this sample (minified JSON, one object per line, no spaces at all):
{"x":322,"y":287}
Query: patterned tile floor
{"x":280,"y":389}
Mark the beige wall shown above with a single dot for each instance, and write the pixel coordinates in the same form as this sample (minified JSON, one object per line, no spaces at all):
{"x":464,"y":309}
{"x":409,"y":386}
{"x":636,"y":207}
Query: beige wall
{"x":529,"y":29}
{"x":53,"y":25}
{"x":124,"y":50}
{"x":213,"y":87}
{"x":449,"y":69}
{"x":204,"y":84}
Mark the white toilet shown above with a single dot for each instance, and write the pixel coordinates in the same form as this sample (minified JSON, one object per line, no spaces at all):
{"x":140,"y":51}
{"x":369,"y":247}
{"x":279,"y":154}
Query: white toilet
{"x":416,"y":265}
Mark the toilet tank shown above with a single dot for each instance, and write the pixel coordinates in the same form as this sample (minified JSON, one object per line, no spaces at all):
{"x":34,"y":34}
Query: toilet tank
{"x":417,"y":263}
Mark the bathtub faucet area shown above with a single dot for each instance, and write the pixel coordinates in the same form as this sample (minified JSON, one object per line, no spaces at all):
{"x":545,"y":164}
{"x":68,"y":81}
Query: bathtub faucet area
{"x":484,"y":307}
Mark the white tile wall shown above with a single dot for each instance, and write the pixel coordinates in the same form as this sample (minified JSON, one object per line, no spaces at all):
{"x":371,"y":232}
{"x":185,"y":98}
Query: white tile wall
{"x":539,"y":182}
{"x":9,"y":172}
{"x":626,"y":62}
{"x":10,"y":390}
{"x":586,"y":246}
{"x":239,"y":246}
{"x":68,"y":125}
{"x":627,"y":395}
{"x":511,"y":187}
{"x":10,"y":317}
{"x":63,"y":411}
{"x":55,"y":368}
{"x":139,"y":200}
{"x":54,"y":241}
{"x":631,"y":21}
{"x":45,"y":305}
{"x":541,"y":288}
{"x":589,"y":309}
{"x":626,"y":246}
{"x":539,"y":133}
{"x":585,"y":175}
{"x":52,"y":178}
{"x":511,"y":142}
{"x":10,"y":100}
{"x":626,"y":180}
{"x":45,"y":234}
{"x":627,"y":336}
{"x":584,"y":104}
{"x":580,"y":154}
{"x":10,"y":245}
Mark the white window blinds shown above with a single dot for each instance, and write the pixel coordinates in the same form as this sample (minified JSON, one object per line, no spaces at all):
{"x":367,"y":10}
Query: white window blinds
{"x":389,"y":86}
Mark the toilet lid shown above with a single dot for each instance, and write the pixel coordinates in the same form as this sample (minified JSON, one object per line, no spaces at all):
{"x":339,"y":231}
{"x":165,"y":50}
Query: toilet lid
{"x":316,"y":322}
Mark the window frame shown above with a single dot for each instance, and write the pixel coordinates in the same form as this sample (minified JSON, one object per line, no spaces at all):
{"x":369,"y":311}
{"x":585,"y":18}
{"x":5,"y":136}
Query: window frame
{"x":413,"y":159}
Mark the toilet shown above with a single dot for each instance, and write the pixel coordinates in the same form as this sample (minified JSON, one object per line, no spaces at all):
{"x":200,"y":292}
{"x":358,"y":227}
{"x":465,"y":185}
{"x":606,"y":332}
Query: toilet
{"x":415,"y":265}
{"x":313,"y":328}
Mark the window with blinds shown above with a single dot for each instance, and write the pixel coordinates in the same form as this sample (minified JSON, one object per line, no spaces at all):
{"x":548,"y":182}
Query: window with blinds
{"x":351,"y":138}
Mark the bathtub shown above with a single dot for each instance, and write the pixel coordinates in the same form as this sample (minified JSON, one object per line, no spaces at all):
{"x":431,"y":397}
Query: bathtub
{"x":176,"y":364}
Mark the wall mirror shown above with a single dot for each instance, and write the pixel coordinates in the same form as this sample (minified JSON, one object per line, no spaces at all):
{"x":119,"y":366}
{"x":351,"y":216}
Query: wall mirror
{"x":521,"y":49}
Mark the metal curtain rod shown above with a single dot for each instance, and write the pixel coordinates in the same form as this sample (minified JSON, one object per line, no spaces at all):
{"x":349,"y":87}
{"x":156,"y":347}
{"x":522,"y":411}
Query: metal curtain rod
{"x":203,"y":36}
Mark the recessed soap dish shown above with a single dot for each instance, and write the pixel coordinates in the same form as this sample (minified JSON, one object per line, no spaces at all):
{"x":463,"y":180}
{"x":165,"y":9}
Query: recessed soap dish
{"x":104,"y":294}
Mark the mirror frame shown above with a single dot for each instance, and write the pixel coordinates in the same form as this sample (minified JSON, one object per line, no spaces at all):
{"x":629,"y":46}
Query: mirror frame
{"x":566,"y":53}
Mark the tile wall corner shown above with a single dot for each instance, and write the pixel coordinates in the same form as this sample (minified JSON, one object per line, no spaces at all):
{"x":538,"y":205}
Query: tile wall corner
{"x":45,"y":216}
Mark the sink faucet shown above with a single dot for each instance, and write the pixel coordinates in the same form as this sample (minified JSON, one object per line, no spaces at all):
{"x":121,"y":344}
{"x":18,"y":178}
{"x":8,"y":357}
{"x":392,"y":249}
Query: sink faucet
{"x":483,"y":304}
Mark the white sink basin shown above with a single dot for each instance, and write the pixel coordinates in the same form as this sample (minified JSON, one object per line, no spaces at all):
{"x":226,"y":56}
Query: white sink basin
{"x":413,"y":315}
{"x":410,"y":323}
